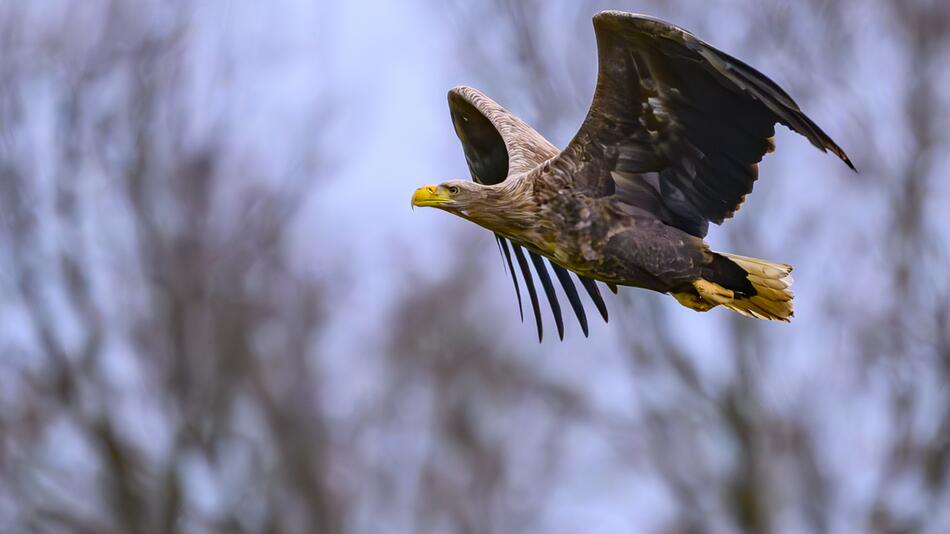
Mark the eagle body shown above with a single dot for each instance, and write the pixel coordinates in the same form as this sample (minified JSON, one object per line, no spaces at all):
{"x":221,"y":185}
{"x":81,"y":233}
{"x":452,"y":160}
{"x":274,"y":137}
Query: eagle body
{"x":671,"y":142}
{"x":604,"y":239}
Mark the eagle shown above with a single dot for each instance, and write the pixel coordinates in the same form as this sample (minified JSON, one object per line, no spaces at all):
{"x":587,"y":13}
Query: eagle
{"x":671,"y":142}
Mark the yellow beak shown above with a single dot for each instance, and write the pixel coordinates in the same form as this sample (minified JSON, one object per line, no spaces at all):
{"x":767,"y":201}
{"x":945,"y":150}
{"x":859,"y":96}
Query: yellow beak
{"x":428,"y":196}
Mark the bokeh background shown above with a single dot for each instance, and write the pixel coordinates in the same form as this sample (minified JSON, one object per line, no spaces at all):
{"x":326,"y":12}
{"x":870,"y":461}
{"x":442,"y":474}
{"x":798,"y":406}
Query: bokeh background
{"x":218,"y":313}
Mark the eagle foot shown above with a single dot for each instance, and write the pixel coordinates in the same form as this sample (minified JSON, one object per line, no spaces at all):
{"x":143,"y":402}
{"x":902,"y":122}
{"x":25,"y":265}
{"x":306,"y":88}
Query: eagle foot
{"x":693,"y":301}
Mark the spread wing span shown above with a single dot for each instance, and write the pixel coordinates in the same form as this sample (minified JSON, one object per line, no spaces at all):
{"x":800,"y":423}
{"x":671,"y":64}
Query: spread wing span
{"x":676,"y":127}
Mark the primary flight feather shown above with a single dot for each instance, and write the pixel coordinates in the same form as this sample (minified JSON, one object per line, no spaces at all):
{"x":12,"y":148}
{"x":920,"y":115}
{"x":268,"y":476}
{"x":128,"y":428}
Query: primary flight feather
{"x":672,"y":142}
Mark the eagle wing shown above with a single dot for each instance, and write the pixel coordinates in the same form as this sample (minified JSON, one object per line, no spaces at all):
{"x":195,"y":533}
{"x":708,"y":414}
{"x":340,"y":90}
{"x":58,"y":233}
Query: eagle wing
{"x":676,"y":127}
{"x":497,"y":145}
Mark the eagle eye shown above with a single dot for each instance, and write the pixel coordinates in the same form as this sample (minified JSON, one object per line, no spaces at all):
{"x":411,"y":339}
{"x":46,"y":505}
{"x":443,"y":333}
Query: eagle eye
{"x":454,"y":190}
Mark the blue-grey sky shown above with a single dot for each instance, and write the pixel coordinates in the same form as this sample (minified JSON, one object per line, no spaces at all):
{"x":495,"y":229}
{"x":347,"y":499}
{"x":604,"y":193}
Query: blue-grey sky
{"x":349,"y":97}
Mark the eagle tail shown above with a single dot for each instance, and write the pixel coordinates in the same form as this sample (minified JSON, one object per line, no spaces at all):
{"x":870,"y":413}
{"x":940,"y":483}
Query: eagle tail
{"x":770,"y":280}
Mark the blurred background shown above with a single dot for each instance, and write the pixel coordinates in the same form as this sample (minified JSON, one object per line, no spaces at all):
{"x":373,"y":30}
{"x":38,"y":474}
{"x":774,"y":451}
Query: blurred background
{"x":218,"y":313}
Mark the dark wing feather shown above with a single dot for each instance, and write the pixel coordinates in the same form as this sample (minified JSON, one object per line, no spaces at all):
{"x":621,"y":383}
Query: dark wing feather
{"x":676,"y":127}
{"x":548,"y":287}
{"x":591,"y":287}
{"x":532,"y":293}
{"x":503,"y":245}
{"x":565,"y":278}
{"x":497,"y":145}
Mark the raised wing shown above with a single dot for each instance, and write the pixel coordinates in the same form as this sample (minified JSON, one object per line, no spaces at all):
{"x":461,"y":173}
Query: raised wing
{"x":676,"y":127}
{"x":498,"y":145}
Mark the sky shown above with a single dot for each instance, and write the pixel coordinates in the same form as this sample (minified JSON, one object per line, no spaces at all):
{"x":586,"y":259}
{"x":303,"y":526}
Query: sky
{"x":364,"y":85}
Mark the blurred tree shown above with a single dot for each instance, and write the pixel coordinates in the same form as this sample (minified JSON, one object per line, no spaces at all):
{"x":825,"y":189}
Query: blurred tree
{"x":163,"y":364}
{"x":164,"y":379}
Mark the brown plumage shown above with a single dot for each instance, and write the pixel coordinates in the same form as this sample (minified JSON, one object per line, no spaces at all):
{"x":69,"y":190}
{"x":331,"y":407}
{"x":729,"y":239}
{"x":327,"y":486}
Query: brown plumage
{"x":672,"y":141}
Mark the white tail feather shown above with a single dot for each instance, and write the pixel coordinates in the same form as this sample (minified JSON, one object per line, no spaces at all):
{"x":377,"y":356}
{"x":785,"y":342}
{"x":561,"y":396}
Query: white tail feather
{"x":773,"y":299}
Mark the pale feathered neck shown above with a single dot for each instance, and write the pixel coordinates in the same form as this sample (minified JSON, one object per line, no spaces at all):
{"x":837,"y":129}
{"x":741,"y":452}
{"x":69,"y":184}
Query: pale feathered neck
{"x":508,"y":207}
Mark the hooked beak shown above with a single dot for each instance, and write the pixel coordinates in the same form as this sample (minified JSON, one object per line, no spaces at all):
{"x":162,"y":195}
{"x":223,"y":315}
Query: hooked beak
{"x":428,"y":196}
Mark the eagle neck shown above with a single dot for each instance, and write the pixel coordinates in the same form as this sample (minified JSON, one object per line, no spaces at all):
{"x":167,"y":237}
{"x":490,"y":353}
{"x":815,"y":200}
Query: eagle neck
{"x":510,"y":207}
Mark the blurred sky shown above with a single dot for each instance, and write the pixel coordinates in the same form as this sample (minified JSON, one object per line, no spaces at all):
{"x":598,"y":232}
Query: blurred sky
{"x":364,"y":84}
